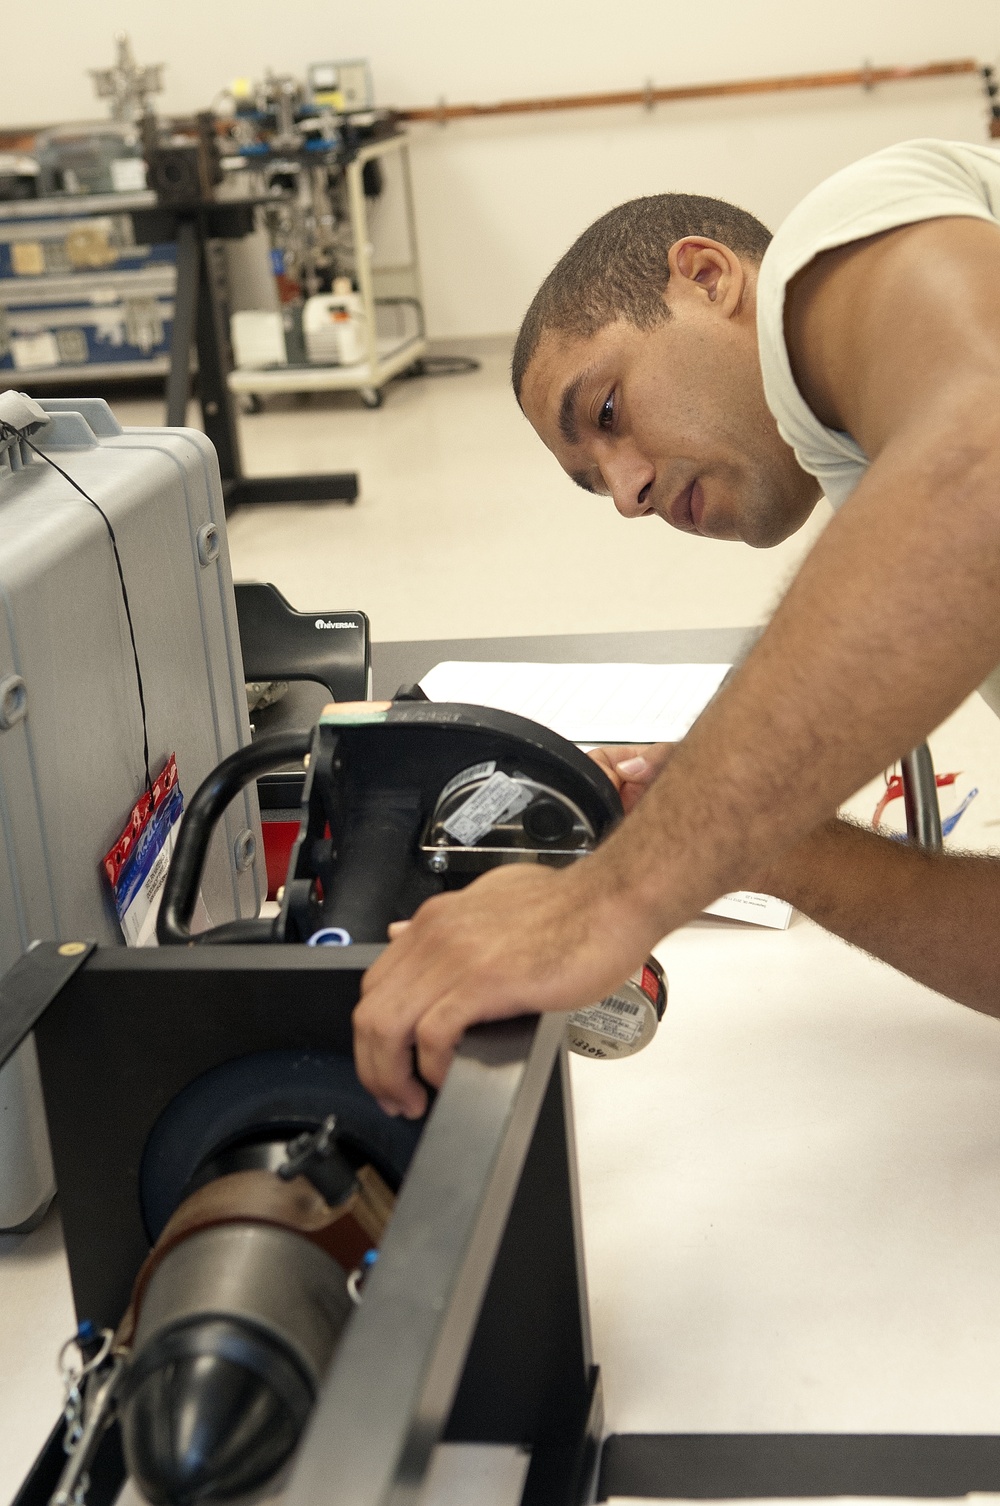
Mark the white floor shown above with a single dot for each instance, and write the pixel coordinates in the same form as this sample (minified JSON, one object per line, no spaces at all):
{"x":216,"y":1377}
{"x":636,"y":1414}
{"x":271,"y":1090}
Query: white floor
{"x":792,"y":1199}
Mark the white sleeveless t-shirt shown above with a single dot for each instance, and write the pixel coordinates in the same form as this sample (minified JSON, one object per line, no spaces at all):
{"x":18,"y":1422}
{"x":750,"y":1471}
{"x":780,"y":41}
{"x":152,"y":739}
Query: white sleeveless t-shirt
{"x":917,"y":180}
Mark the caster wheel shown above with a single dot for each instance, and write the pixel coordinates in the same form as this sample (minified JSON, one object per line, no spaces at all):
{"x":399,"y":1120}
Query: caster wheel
{"x":371,"y":396}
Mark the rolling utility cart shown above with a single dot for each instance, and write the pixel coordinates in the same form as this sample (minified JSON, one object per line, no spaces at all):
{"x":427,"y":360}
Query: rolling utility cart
{"x":474,"y":1325}
{"x":387,"y":273}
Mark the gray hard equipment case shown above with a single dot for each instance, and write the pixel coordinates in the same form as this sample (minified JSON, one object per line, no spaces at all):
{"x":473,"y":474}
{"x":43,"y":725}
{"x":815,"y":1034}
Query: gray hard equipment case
{"x":71,"y":734}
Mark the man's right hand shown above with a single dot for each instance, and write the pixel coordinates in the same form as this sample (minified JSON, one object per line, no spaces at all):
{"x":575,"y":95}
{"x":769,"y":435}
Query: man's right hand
{"x":632,"y":767}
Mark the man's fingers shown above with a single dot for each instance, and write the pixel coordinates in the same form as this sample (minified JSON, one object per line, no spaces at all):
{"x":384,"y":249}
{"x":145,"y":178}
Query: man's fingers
{"x":384,"y":1037}
{"x":635,"y":768}
{"x":439,"y":1033}
{"x":394,"y":1110}
{"x":386,"y":1069}
{"x":627,"y":763}
{"x":632,"y":768}
{"x":385,"y":1020}
{"x":383,"y":1057}
{"x":610,"y":759}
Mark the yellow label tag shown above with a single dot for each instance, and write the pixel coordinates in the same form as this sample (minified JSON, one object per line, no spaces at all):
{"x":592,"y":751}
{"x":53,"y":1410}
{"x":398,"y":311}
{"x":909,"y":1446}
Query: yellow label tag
{"x":89,"y":246}
{"x":27,"y":258}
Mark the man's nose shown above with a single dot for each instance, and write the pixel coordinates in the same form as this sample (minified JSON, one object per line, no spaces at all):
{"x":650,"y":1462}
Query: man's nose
{"x":629,"y":480}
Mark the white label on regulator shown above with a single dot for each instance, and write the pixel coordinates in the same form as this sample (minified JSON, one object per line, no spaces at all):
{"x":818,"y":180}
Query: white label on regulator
{"x":477,"y":771}
{"x":498,"y":798}
{"x":615,"y":1019}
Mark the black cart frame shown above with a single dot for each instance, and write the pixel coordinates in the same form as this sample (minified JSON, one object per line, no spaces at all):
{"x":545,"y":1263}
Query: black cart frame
{"x":474,"y":1324}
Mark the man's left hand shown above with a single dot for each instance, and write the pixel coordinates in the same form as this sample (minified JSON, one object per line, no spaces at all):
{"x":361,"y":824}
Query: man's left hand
{"x":632,"y":767}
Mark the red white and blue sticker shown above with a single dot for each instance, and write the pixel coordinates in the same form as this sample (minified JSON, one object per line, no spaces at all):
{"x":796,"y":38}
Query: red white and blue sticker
{"x":136,"y":866}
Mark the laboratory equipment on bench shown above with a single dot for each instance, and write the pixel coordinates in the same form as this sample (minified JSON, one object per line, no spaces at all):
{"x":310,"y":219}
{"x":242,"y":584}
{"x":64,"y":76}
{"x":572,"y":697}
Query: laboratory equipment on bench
{"x":382,"y":829}
{"x":18,"y":177}
{"x":333,"y":325}
{"x":331,"y":177}
{"x":81,"y":295}
{"x":228,"y":1206}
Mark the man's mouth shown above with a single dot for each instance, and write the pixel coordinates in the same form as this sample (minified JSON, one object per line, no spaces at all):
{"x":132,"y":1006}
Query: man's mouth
{"x":696,"y":504}
{"x":685,"y":511}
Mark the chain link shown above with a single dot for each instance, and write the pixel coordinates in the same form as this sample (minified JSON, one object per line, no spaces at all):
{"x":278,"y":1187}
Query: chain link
{"x":74,"y":1377}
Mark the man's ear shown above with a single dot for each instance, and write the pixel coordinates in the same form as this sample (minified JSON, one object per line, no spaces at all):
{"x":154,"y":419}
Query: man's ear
{"x":706,"y":268}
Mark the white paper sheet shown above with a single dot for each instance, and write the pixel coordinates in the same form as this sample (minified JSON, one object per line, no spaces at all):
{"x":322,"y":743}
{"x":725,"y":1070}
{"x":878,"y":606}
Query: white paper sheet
{"x":586,"y":703}
{"x":757,"y":909}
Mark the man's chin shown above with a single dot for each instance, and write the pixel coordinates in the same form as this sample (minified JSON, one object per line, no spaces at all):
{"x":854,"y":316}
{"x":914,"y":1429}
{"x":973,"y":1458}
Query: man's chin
{"x":722,"y":528}
{"x":729,"y":519}
{"x":767,"y":528}
{"x":774,"y":516}
{"x":765,"y":541}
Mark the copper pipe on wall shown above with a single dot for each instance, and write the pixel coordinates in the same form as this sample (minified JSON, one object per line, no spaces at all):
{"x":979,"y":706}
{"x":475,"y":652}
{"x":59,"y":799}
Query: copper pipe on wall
{"x":866,"y":77}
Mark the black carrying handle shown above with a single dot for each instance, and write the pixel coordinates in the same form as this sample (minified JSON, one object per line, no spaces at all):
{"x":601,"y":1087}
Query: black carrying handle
{"x":375,"y":854}
{"x":180,"y":891}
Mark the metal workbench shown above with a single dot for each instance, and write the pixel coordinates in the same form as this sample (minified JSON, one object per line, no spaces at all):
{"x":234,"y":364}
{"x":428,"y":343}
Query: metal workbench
{"x":64,"y":318}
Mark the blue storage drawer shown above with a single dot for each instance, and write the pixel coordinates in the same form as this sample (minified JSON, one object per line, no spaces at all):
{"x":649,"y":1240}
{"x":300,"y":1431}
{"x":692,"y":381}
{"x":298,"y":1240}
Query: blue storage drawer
{"x":78,"y":293}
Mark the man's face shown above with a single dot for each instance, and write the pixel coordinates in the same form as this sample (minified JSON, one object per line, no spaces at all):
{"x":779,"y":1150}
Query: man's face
{"x":671,"y":422}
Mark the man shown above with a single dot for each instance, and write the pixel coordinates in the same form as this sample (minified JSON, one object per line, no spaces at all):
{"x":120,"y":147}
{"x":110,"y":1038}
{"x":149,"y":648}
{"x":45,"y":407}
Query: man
{"x":669,"y":362}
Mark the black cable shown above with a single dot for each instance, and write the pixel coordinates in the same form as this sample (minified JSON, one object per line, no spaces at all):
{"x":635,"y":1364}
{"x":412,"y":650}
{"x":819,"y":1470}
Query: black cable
{"x":22,"y":435}
{"x":432,"y":366}
{"x":429,"y":366}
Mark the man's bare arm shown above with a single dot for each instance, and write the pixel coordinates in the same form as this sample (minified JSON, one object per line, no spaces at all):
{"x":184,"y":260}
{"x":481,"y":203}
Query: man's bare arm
{"x":933,"y":915}
{"x":891,"y":622}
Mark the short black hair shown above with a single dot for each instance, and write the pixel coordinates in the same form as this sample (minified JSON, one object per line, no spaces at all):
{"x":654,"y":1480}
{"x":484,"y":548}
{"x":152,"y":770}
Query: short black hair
{"x":618,"y":268}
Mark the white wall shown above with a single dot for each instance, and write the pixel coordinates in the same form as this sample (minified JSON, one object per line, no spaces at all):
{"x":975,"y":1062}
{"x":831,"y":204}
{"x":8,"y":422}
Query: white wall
{"x":499,"y":200}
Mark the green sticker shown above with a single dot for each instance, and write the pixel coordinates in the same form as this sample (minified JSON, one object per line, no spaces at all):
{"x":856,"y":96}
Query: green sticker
{"x":335,"y":718}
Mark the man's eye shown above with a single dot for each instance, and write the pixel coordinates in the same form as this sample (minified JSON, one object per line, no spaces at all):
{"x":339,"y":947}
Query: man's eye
{"x":607,"y":414}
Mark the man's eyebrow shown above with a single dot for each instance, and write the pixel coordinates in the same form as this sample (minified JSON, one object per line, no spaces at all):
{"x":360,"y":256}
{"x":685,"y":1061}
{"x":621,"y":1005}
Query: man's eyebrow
{"x":567,"y":408}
